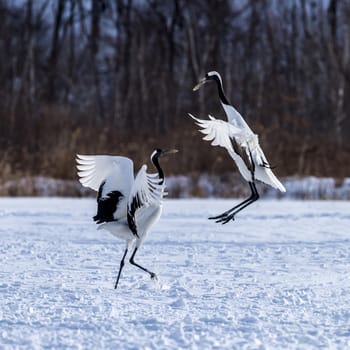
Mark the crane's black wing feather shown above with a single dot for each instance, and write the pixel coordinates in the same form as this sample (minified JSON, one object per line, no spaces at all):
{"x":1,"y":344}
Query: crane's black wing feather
{"x":135,"y":204}
{"x":107,"y":205}
{"x":147,"y":189}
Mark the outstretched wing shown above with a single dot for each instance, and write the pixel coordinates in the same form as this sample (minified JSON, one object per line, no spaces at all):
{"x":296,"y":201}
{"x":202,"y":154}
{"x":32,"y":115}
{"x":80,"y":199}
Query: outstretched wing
{"x":243,"y":146}
{"x":95,"y":169}
{"x":217,"y":131}
{"x":146,"y":195}
{"x":226,"y":135}
{"x":112,"y":177}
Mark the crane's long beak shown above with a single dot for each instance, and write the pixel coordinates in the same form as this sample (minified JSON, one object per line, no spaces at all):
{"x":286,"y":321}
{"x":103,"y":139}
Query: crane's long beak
{"x":170,"y":151}
{"x":200,"y":83}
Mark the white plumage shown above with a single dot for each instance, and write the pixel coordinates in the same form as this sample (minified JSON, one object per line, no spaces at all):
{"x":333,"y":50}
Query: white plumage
{"x":221,"y":133}
{"x":242,"y":145}
{"x":117,"y":173}
{"x":127,"y":206}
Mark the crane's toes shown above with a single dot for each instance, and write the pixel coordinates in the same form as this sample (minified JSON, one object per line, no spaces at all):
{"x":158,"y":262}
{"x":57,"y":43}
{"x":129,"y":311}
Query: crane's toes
{"x":220,"y":220}
{"x":221,"y":216}
{"x":226,"y":219}
{"x":223,"y":219}
{"x":154,"y":276}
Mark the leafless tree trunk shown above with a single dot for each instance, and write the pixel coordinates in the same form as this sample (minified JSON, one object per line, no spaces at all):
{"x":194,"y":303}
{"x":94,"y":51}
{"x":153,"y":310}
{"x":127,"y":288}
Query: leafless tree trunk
{"x":54,"y":51}
{"x":102,"y":75}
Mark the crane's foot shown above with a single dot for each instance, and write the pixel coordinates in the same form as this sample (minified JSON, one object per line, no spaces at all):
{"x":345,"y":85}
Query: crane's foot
{"x":155,"y":281}
{"x":224,"y":220}
{"x":228,"y":213}
{"x":153,"y":276}
{"x":215,"y":217}
{"x":218,"y":217}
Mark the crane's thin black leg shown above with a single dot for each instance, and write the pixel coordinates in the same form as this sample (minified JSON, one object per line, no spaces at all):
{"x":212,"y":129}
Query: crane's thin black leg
{"x":229,"y":214}
{"x":226,"y":213}
{"x":153,"y":275}
{"x":255,"y":197}
{"x":120,"y":268}
{"x":223,"y":215}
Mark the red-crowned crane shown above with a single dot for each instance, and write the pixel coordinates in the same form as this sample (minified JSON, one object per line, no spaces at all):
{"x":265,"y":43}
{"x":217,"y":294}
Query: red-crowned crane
{"x":127,"y":207}
{"x":242,"y":145}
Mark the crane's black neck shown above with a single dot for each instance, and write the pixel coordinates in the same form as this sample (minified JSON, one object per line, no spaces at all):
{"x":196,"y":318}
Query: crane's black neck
{"x":155,"y":162}
{"x":222,"y":95}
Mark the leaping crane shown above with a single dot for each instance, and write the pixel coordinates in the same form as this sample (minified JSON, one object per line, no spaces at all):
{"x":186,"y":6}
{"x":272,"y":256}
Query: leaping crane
{"x":242,"y":145}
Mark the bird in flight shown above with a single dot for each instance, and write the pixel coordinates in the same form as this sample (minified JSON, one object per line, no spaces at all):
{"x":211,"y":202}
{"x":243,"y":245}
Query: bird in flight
{"x":127,"y":207}
{"x":242,"y":145}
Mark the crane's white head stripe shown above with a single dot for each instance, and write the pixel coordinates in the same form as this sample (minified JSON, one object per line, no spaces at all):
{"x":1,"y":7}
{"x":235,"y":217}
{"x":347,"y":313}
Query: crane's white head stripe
{"x":214,"y":74}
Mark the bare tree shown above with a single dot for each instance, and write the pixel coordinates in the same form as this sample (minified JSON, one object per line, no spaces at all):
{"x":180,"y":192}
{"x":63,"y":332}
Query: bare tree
{"x":102,"y":75}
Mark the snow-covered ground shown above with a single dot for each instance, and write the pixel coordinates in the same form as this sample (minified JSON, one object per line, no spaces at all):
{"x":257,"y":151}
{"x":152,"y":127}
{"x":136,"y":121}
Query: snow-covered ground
{"x":228,"y":185}
{"x":276,"y":278}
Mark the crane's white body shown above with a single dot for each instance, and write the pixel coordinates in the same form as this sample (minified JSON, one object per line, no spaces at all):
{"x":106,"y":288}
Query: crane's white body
{"x":241,"y":143}
{"x":146,"y":219}
{"x":236,"y":119}
{"x":118,"y":229}
{"x":221,"y":133}
{"x":116,"y":174}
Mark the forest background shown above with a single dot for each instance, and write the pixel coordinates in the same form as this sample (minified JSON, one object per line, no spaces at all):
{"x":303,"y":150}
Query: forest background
{"x":116,"y":77}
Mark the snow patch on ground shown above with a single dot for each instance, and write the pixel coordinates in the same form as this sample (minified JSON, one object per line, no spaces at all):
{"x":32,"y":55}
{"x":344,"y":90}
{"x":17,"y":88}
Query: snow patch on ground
{"x":232,"y":185}
{"x":277,"y":277}
{"x":227,"y":185}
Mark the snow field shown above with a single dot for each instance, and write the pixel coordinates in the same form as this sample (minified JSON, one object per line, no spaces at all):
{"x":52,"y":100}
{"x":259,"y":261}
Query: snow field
{"x":276,"y":278}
